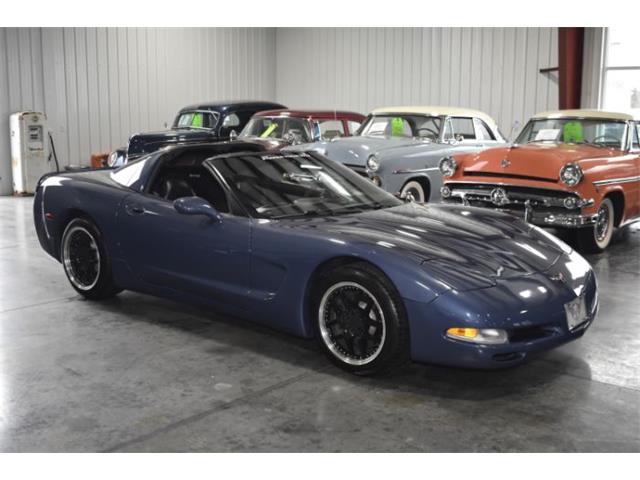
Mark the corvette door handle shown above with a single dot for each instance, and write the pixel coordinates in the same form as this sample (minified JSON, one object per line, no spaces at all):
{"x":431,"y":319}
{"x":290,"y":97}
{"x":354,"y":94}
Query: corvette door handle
{"x":133,"y":209}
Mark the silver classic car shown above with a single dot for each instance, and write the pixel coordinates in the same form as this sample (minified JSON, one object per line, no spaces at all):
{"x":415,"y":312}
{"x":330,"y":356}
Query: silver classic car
{"x":399,"y":148}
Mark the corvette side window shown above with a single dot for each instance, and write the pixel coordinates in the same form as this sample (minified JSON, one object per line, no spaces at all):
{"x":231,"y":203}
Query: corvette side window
{"x":185,"y":176}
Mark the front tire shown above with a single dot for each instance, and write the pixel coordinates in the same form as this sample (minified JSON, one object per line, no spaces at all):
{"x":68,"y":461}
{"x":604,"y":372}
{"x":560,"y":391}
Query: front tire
{"x":360,"y":320}
{"x":597,"y":238}
{"x":415,"y":189}
{"x":85,"y":261}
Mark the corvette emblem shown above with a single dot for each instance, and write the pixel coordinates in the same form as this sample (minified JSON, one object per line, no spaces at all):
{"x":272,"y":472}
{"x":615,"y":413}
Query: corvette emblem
{"x":558,"y":277}
{"x":499,"y":196}
{"x":505,"y":162}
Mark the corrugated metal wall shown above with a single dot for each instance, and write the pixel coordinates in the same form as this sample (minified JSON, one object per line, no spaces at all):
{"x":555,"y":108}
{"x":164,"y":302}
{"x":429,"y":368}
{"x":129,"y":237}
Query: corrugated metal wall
{"x":98,"y":85}
{"x":492,"y":69}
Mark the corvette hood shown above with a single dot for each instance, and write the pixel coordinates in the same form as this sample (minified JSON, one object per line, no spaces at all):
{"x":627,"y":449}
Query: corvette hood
{"x":464,"y":248}
{"x":539,"y":160}
{"x":356,"y":150}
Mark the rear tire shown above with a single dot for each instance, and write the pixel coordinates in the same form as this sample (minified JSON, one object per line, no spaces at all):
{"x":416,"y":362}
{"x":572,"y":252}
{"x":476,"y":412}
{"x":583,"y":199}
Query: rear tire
{"x":360,"y":320}
{"x":597,"y":238}
{"x":85,"y":260}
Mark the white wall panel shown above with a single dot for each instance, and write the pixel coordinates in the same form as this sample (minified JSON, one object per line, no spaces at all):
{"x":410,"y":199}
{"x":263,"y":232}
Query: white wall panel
{"x":592,"y":67}
{"x":99,"y":85}
{"x":492,"y":69}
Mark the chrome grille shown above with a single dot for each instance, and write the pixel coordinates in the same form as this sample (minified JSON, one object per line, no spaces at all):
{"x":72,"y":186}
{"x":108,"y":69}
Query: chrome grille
{"x":516,"y":197}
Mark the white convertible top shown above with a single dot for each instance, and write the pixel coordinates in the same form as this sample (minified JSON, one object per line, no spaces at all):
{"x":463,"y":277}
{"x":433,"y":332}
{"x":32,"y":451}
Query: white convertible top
{"x":439,"y":111}
{"x":583,"y":113}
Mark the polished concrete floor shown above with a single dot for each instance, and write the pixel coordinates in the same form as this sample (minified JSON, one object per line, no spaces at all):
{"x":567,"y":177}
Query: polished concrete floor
{"x":141,"y":374}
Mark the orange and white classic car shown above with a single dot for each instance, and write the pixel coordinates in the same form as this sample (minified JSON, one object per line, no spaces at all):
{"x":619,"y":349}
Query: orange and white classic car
{"x":574,"y":169}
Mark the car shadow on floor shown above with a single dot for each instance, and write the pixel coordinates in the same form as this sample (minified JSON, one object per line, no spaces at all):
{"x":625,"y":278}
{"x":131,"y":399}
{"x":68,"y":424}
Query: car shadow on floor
{"x":232,"y":335}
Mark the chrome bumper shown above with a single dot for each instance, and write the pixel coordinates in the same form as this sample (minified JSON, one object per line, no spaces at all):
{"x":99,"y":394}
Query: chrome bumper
{"x":545,"y":209}
{"x":566,"y":220}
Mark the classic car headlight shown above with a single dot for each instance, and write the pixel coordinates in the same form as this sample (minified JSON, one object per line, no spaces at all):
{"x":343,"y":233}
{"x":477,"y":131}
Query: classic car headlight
{"x":571,"y":174}
{"x":448,"y":166}
{"x":482,"y":336}
{"x":373,"y":163}
{"x":112,"y":158}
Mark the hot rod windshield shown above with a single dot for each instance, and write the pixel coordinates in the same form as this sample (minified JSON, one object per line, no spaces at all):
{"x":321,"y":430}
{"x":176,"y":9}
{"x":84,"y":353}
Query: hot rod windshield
{"x":599,"y":132}
{"x":407,"y":126}
{"x":196,"y":119}
{"x":282,"y":185}
{"x":278,"y":127}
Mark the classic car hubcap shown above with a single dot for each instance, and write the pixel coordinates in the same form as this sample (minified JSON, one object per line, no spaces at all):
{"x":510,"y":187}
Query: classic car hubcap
{"x":602,"y":223}
{"x":81,"y":258}
{"x":351,"y":323}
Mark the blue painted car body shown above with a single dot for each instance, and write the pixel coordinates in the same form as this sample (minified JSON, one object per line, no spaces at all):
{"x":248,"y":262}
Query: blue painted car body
{"x":147,"y":142}
{"x":452,"y":265}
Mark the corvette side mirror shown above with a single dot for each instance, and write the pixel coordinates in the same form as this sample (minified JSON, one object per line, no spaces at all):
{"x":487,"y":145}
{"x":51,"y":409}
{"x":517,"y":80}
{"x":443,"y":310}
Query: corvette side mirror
{"x":196,"y":206}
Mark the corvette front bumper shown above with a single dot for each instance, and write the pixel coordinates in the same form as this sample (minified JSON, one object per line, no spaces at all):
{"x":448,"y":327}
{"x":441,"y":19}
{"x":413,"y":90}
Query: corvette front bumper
{"x":535,"y":324}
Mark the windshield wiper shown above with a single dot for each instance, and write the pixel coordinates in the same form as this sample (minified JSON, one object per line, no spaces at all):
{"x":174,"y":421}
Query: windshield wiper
{"x":598,"y":145}
{"x":367,"y":206}
{"x":306,"y":213}
{"x":347,"y":209}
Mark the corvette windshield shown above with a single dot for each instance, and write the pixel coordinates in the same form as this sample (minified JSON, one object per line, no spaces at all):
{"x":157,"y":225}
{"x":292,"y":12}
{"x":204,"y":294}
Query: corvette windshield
{"x":601,"y":133}
{"x":402,"y":126}
{"x":281,"y":185}
{"x":278,"y":127}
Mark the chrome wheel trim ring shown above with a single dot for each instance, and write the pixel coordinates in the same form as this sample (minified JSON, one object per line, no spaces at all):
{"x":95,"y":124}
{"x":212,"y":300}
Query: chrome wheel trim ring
{"x":413,"y":186}
{"x":604,"y":224}
{"x":67,"y":260}
{"x":326,"y":334}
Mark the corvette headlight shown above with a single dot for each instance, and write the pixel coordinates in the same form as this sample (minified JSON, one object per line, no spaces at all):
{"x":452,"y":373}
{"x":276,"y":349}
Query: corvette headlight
{"x":482,"y":336}
{"x":448,"y":166}
{"x":373,"y":163}
{"x":571,"y":174}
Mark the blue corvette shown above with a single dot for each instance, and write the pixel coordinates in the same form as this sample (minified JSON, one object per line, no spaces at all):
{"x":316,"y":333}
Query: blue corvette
{"x":306,"y":246}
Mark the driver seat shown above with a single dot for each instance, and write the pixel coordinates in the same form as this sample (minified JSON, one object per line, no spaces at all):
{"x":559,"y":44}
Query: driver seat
{"x":175,"y":188}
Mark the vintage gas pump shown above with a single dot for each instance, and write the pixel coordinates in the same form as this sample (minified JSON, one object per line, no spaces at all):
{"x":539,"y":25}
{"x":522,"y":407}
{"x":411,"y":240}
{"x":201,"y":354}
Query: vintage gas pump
{"x":29,"y":150}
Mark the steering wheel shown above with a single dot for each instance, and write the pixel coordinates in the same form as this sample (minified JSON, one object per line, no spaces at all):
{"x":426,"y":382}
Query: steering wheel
{"x":604,"y":139}
{"x":428,"y":130}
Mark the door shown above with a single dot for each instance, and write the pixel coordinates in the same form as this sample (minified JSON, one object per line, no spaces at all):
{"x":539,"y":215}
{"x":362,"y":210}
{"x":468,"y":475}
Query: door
{"x":462,"y":131}
{"x":192,"y":254}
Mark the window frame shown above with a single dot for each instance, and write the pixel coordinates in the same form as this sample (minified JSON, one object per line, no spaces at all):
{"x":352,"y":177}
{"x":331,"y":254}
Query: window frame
{"x":320,"y":121}
{"x":634,"y":127}
{"x":214,"y":114}
{"x":449,"y":121}
{"x":605,"y":69}
{"x":478,"y":121}
{"x":236,"y":209}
